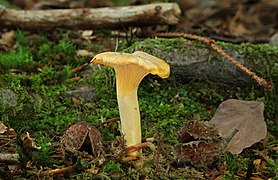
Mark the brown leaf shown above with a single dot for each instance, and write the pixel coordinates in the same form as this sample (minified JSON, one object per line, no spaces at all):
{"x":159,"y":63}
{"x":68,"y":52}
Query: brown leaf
{"x":245,"y":116}
{"x":28,"y":141}
{"x":3,"y":128}
{"x":84,"y":53}
{"x":7,"y":39}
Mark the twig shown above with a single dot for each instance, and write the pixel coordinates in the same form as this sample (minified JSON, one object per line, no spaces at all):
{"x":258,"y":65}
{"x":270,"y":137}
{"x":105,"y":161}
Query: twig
{"x":109,"y":121}
{"x":116,"y":44}
{"x":7,"y":143}
{"x":79,"y":68}
{"x":59,"y":171}
{"x":131,"y":158}
{"x":136,"y":147}
{"x":212,"y":45}
{"x":230,"y":137}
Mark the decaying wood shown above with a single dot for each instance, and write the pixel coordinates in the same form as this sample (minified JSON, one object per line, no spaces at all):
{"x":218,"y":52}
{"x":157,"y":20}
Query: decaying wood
{"x":211,"y":43}
{"x":194,"y":60}
{"x":93,"y":18}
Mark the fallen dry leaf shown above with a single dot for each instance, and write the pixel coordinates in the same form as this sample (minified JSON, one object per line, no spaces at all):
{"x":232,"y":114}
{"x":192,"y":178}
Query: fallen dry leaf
{"x":28,"y":141}
{"x":88,"y":35}
{"x":3,"y":128}
{"x":257,"y":162}
{"x":84,"y":52}
{"x":8,"y":39}
{"x":245,"y":116}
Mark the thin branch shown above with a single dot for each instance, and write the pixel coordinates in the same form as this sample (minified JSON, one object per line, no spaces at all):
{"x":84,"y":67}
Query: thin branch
{"x":91,"y":18}
{"x":62,"y":170}
{"x":136,"y":147}
{"x":109,"y":121}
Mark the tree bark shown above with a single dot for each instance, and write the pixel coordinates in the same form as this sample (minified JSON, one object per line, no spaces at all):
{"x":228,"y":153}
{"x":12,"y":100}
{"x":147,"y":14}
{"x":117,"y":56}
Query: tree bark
{"x":194,"y":60}
{"x":94,"y":18}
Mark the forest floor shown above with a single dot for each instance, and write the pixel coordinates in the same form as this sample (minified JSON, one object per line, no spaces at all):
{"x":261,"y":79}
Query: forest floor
{"x":47,"y":85}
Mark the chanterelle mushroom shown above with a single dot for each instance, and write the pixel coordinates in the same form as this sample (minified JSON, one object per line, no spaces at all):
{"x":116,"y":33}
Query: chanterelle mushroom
{"x":130,"y":69}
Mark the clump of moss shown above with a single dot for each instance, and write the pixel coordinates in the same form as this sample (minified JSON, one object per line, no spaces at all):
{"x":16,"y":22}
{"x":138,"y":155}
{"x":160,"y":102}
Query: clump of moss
{"x":8,"y":4}
{"x":21,"y":58}
{"x":151,"y":45}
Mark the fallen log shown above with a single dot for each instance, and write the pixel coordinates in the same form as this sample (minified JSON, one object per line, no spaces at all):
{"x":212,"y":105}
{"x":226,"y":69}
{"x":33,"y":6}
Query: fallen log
{"x":91,"y":18}
{"x":195,"y":60}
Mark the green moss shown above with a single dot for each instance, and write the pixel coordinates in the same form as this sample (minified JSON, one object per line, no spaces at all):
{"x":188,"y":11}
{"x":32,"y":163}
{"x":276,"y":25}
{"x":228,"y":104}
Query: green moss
{"x":21,"y":58}
{"x":264,"y":57}
{"x":7,"y":4}
{"x":167,"y":110}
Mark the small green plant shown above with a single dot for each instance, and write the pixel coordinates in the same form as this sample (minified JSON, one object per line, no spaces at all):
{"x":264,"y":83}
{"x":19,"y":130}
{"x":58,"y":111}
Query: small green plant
{"x":111,"y":166}
{"x":67,"y":50}
{"x":104,"y":84}
{"x":39,"y":155}
{"x":42,"y":156}
{"x":56,"y":119}
{"x":113,"y":170}
{"x":44,"y":52}
{"x":20,"y":59}
{"x":35,"y":104}
{"x":65,"y":46}
{"x":231,"y":163}
{"x":50,"y":76}
{"x":8,"y":4}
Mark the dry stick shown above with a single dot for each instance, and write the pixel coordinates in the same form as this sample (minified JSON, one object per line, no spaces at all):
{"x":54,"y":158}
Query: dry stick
{"x":131,"y":158}
{"x":59,"y":171}
{"x":136,"y":147}
{"x":91,"y":18}
{"x":109,"y":121}
{"x":132,"y":149}
{"x":79,"y":68}
{"x":211,"y":43}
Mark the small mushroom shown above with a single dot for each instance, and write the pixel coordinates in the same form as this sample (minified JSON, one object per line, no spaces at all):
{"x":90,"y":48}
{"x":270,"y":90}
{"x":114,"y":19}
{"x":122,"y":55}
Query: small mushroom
{"x":130,"y":69}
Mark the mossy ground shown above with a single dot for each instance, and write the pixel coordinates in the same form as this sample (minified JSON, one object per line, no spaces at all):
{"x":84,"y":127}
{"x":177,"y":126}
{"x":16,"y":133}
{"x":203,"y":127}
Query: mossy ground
{"x":40,"y":70}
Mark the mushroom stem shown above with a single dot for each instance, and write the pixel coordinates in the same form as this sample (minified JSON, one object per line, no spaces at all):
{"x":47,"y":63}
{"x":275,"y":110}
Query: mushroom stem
{"x":127,"y":82}
{"x":130,"y":117}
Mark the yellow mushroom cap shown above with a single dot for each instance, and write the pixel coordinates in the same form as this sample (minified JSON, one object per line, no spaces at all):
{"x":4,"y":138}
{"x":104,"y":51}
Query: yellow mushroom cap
{"x":150,"y":63}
